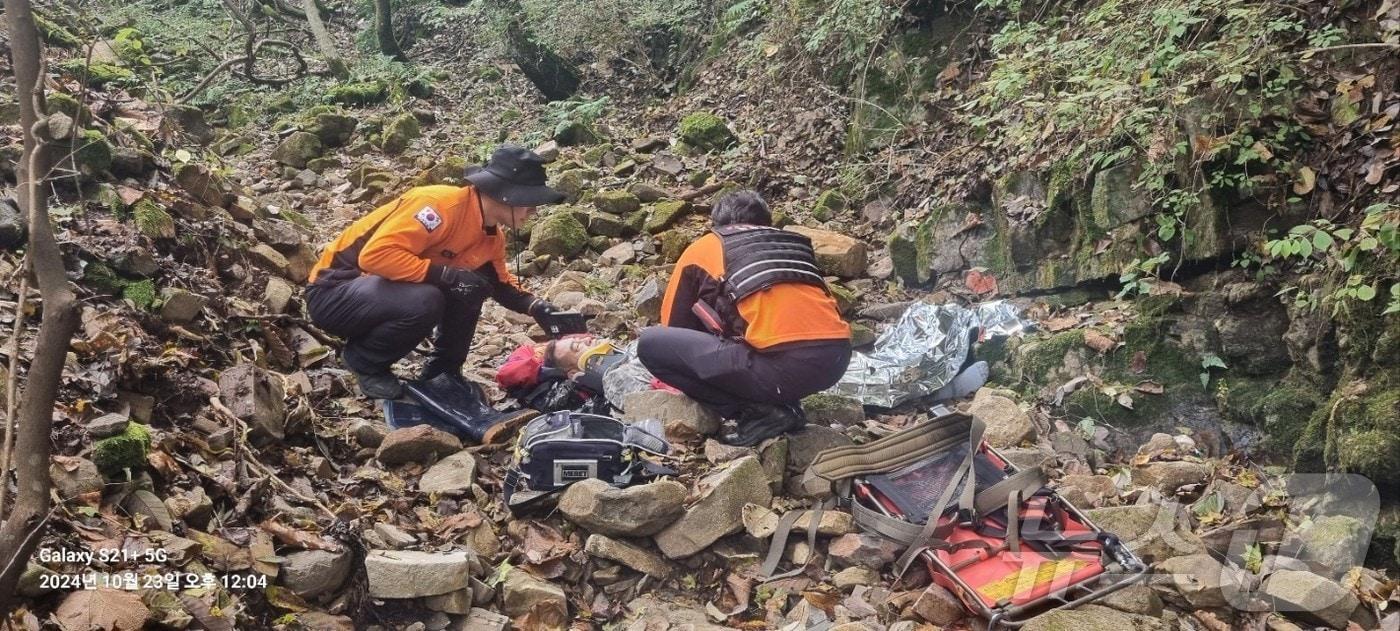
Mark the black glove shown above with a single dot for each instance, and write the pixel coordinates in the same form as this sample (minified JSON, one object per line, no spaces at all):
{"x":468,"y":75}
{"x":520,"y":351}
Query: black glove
{"x":540,"y":309}
{"x":459,"y":282}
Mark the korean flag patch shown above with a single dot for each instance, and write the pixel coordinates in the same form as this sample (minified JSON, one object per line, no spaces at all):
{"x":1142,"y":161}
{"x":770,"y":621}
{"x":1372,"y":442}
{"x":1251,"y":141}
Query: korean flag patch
{"x":429,"y":217}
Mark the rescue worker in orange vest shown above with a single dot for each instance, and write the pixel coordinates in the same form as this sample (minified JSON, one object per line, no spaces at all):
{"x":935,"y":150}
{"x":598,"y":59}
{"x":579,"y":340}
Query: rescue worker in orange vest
{"x":748,"y":324}
{"x":428,"y":259}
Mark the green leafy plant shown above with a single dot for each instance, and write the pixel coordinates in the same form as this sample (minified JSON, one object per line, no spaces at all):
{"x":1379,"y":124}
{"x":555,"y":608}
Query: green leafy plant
{"x":1137,"y":278}
{"x":1358,"y":260}
{"x":1209,"y":361}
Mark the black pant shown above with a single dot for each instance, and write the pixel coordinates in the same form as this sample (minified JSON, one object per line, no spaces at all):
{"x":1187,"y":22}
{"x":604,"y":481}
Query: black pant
{"x":382,"y":320}
{"x":727,"y":374}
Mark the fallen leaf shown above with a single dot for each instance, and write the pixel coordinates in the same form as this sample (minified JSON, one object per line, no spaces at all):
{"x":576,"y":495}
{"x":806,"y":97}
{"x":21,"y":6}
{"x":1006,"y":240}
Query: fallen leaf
{"x":297,"y":538}
{"x":1067,"y":388}
{"x":1150,"y":387}
{"x":1374,"y":172}
{"x":283,"y":598}
{"x":1138,"y":364}
{"x":1125,"y":400}
{"x":1055,"y":325}
{"x":1096,"y":340}
{"x":1307,"y":179}
{"x":106,"y":609}
{"x":980,"y":282}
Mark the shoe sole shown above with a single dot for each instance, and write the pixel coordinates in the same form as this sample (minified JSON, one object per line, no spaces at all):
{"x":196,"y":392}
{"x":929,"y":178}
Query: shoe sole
{"x":501,"y":432}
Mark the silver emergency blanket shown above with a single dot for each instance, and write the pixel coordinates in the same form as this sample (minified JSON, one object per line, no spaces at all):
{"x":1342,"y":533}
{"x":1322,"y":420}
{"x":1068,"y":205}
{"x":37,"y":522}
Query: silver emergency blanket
{"x":628,"y":376}
{"x":922,"y":352}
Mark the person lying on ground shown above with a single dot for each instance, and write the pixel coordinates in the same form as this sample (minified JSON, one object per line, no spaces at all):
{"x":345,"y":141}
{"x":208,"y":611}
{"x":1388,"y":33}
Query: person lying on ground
{"x":748,"y":325}
{"x":572,"y":372}
{"x":428,"y":259}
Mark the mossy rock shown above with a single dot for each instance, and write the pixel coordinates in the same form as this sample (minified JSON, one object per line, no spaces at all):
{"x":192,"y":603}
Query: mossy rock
{"x":828,"y":204}
{"x":284,"y":103}
{"x":594,"y":156}
{"x":560,"y":234}
{"x":574,"y":133}
{"x":616,"y":202}
{"x":1372,"y":453}
{"x":297,"y":149}
{"x":845,"y":298}
{"x":54,"y":34}
{"x":399,"y":133}
{"x":673,"y":243}
{"x":666,"y":214}
{"x":141,"y":293}
{"x":570,"y":183}
{"x":706,"y":131}
{"x":126,"y":450}
{"x":334,"y":129}
{"x":451,"y":170}
{"x":65,"y":103}
{"x":98,"y":74}
{"x":100,"y":276}
{"x":358,"y":93}
{"x":152,"y":220}
{"x":911,"y":251}
{"x":92,"y":153}
{"x":862,"y":335}
{"x":833,"y":409}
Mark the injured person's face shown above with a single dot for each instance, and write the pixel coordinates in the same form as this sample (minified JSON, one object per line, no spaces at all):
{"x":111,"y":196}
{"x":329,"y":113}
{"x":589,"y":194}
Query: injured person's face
{"x":566,"y":351}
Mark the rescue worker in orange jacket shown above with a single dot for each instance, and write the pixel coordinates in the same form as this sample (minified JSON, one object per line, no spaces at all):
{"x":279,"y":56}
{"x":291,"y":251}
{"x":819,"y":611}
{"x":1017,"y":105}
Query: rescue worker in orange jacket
{"x":428,"y":259}
{"x":748,"y":324}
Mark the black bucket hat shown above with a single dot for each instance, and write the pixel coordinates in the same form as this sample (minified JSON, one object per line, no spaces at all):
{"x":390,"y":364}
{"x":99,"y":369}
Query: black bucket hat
{"x":514,"y":176}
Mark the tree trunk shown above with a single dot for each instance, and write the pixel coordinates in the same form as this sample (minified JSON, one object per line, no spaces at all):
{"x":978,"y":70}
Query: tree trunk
{"x":384,"y":29}
{"x":22,"y":529}
{"x":550,"y":73}
{"x":323,"y":40}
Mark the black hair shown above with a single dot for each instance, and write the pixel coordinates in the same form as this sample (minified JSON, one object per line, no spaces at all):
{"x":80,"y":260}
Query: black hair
{"x":549,"y":354}
{"x":741,"y":207}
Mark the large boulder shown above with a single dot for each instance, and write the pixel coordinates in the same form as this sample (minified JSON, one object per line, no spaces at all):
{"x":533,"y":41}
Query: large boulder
{"x":681,"y":416}
{"x":333,"y":129}
{"x":298,"y":149}
{"x":837,"y":254}
{"x":560,"y":234}
{"x":705,"y":131}
{"x":409,"y":574}
{"x":635,"y":511}
{"x":719,"y":512}
{"x":1007,"y":424}
{"x":1335,"y":542}
{"x":1152,"y":531}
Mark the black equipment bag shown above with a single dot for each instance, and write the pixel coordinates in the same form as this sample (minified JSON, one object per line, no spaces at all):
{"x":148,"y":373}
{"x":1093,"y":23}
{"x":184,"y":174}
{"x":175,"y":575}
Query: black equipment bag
{"x":560,"y":448}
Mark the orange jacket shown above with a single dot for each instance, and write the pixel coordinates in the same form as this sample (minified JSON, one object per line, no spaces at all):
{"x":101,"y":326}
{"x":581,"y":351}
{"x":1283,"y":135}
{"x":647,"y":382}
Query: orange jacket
{"x":427,"y":225}
{"x":787,"y":312}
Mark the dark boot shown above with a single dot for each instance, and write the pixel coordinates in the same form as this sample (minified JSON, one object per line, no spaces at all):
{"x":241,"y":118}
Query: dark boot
{"x":461,"y":405}
{"x":760,"y":421}
{"x":376,"y":382}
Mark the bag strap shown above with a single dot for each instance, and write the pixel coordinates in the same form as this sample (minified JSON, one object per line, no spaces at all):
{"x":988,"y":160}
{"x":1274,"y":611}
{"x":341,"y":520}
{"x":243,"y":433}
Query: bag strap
{"x":886,"y":454}
{"x":933,"y":531}
{"x":996,"y":496}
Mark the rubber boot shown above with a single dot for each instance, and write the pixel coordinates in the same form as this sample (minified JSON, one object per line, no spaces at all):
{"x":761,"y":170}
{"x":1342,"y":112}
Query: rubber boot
{"x":760,"y":421}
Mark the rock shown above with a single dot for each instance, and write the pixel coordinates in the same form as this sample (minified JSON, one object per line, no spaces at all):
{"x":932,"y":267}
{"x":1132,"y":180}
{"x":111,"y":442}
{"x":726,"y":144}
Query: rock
{"x":12,"y":224}
{"x":1310,"y":598}
{"x":620,"y":254}
{"x":452,"y":475}
{"x":627,"y":554}
{"x":647,"y":193}
{"x":107,"y":425}
{"x":124,"y":451}
{"x":648,"y":299}
{"x":313,"y":573}
{"x":761,"y":522}
{"x":277,"y":295}
{"x":833,"y":409}
{"x":419,"y":443}
{"x":394,"y":536}
{"x":804,"y":445}
{"x":1135,"y":599}
{"x":1335,"y":542}
{"x":665,"y":215}
{"x":1201,"y":581}
{"x":683,"y":417}
{"x":828,"y":203}
{"x":1167,"y":477}
{"x":179,"y":306}
{"x":297,"y":149}
{"x":862,"y":335}
{"x":136,"y":262}
{"x":75,"y":477}
{"x":59,"y":126}
{"x":863,"y":549}
{"x":1152,"y":531}
{"x":616,"y":202}
{"x":522,"y":593}
{"x":267,"y":258}
{"x":457,"y":603}
{"x":720,"y":511}
{"x":408,"y":574}
{"x":193,"y":507}
{"x":199,"y":181}
{"x":855,"y":575}
{"x":1093,"y":618}
{"x":837,"y":254}
{"x":1086,"y":491}
{"x":937,"y":605}
{"x":607,"y":225}
{"x":705,"y":131}
{"x":717,"y":452}
{"x":560,"y":234}
{"x":399,"y":133}
{"x":370,"y":434}
{"x":636,"y":511}
{"x":255,"y":397}
{"x":147,"y":511}
{"x":484,"y":620}
{"x":1007,"y":424}
{"x":190,"y":121}
{"x":333,"y":129}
